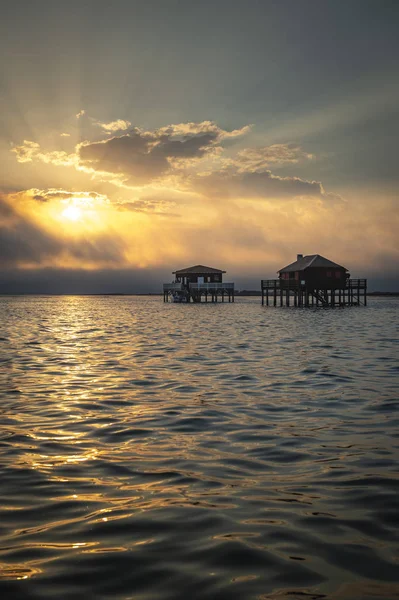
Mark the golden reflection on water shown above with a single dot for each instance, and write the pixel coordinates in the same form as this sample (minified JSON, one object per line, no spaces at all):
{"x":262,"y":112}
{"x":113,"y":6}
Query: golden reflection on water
{"x":18,"y":570}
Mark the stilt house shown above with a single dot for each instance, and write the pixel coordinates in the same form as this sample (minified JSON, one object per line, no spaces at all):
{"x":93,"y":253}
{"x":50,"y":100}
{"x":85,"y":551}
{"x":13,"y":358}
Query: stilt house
{"x":316,"y":272}
{"x":312,"y":280}
{"x":195,"y":283}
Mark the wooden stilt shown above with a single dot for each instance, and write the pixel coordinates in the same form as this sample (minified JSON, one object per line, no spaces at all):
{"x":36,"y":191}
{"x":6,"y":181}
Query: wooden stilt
{"x":308,"y":296}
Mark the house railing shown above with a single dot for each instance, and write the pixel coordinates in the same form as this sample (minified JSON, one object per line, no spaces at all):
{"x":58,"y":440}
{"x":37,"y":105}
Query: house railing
{"x":357,"y":283}
{"x":294,"y":284}
{"x":173,"y":287}
{"x":280,"y":284}
{"x":220,"y":285}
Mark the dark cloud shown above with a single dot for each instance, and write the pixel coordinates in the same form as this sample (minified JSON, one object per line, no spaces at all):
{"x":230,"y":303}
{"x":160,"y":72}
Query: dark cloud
{"x":128,"y":155}
{"x":22,"y":241}
{"x":143,"y":156}
{"x":188,"y":147}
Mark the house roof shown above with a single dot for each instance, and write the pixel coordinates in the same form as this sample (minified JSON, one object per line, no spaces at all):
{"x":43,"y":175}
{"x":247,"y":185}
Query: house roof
{"x":198,"y":270}
{"x":310,"y":261}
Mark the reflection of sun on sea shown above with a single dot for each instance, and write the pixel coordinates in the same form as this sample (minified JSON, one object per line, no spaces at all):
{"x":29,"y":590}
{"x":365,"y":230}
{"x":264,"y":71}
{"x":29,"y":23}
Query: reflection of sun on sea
{"x":73,"y":213}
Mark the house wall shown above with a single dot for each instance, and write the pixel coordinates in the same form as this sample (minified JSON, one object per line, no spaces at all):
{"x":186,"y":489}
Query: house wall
{"x":318,"y":277}
{"x":325,"y":277}
{"x":193,"y":278}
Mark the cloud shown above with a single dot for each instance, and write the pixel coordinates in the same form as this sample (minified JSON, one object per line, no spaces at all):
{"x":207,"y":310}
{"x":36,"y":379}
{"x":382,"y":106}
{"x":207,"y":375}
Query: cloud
{"x":142,"y":156}
{"x":80,"y":114}
{"x":148,"y":205}
{"x":31,"y":151}
{"x":63,"y":195}
{"x":139,"y":157}
{"x":187,"y":157}
{"x":258,"y":159}
{"x":114,"y":126}
{"x":255,"y":184}
{"x":128,"y":155}
{"x":193,"y":129}
{"x":65,"y":135}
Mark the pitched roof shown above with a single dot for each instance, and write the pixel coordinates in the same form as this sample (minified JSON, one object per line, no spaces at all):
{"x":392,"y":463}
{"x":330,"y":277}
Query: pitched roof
{"x":312,"y":260}
{"x":198,"y":270}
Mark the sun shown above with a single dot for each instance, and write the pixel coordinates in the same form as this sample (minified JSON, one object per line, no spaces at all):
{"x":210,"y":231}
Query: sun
{"x":73,"y":213}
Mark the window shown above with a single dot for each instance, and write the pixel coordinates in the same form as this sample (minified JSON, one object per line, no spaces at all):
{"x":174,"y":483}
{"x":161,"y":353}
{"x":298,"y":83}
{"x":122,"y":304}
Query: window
{"x":337,"y":274}
{"x":329,"y":274}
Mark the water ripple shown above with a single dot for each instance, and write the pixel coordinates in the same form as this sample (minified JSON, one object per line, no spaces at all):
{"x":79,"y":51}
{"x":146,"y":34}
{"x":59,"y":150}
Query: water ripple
{"x":156,"y":451}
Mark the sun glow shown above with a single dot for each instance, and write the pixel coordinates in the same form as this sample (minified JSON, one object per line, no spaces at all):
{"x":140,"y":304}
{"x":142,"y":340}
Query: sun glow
{"x":73,"y":213}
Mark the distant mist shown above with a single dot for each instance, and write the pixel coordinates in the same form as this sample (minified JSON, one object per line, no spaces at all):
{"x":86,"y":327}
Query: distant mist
{"x":132,"y":281}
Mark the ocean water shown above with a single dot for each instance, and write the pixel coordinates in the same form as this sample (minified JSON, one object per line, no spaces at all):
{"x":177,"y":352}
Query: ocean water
{"x":163,"y":451}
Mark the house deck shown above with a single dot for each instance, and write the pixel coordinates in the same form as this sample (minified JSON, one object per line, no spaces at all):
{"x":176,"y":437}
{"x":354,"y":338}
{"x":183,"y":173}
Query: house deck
{"x":354,"y":293}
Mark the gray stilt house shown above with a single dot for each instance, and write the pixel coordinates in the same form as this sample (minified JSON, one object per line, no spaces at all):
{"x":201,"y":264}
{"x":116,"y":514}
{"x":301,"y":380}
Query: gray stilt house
{"x":198,"y":283}
{"x":314,"y":280}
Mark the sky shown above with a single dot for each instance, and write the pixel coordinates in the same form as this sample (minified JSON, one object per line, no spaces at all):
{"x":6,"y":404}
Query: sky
{"x":142,"y":137}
